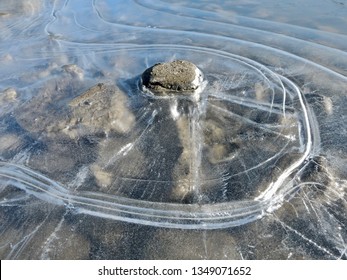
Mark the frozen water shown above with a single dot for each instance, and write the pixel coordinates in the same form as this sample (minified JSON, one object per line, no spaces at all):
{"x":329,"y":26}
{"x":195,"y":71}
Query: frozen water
{"x":257,"y":162}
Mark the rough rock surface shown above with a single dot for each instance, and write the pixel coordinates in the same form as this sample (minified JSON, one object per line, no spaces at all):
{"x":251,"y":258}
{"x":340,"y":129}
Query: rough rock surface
{"x":178,"y":76}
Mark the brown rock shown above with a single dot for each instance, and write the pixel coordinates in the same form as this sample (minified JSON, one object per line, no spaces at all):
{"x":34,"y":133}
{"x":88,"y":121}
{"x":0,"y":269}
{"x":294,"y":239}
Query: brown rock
{"x":168,"y":78}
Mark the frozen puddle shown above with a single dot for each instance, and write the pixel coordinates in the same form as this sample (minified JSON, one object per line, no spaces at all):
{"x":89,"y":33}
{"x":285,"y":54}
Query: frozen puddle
{"x":247,"y":147}
{"x":220,"y":160}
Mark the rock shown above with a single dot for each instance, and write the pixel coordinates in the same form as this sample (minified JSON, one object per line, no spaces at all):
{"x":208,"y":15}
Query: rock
{"x":176,"y":77}
{"x":103,"y":178}
{"x":8,"y":100}
{"x":8,"y":95}
{"x":74,"y":71}
{"x":102,"y":107}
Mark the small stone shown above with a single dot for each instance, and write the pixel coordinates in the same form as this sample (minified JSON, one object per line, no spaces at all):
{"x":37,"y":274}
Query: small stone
{"x":8,"y":95}
{"x":103,"y":178}
{"x":176,"y":77}
{"x":103,"y":107}
{"x":4,"y":14}
{"x":74,"y":70}
{"x":328,"y":105}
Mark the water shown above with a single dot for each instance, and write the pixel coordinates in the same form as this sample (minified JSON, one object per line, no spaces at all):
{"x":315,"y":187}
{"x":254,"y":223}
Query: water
{"x":94,"y":167}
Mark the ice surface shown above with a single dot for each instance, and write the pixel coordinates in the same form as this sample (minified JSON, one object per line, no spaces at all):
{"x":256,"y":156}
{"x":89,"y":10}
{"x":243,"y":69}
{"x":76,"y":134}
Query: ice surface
{"x":257,"y":162}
